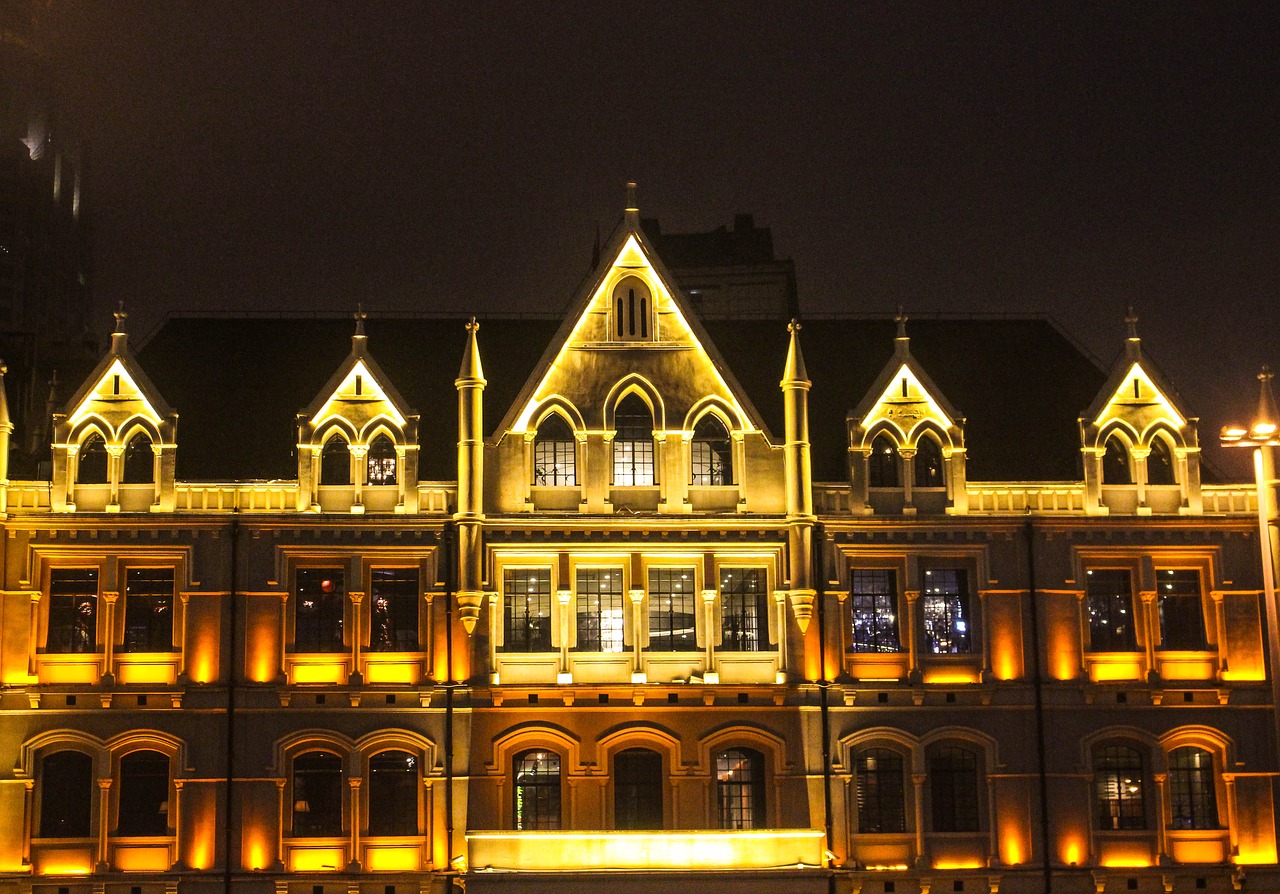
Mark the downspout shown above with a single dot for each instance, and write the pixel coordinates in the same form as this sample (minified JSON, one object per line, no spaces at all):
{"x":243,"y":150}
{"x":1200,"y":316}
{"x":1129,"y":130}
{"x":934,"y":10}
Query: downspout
{"x":446,"y":536}
{"x":231,"y":703}
{"x":819,"y":582}
{"x":1037,"y":683}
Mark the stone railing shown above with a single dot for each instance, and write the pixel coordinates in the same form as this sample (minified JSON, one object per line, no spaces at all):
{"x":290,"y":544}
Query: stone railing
{"x":1025,"y":496}
{"x":1229,"y":498}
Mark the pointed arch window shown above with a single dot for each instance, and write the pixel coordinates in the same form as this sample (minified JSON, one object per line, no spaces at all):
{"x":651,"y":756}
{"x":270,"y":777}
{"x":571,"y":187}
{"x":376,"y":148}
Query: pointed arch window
{"x":393,"y":793}
{"x":883,"y":465}
{"x":1115,"y":462}
{"x":1118,"y":787}
{"x":928,"y":463}
{"x":711,"y":453}
{"x":139,"y":460}
{"x":335,"y":462}
{"x":537,"y":790}
{"x":555,"y":454}
{"x":66,"y":793}
{"x":1160,"y":463}
{"x":633,"y":443}
{"x":381,"y":461}
{"x":317,"y":795}
{"x":632,"y":306}
{"x":881,"y":791}
{"x":1191,"y":789}
{"x":92,"y":468}
{"x":740,"y":788}
{"x":637,"y":789}
{"x":144,"y":794}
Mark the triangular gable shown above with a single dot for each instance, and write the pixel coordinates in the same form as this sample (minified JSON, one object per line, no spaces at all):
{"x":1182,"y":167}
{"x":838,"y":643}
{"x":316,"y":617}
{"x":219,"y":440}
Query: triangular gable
{"x":585,"y":328}
{"x":1138,"y":395}
{"x":359,"y":392}
{"x":116,"y":392}
{"x":904,"y":397}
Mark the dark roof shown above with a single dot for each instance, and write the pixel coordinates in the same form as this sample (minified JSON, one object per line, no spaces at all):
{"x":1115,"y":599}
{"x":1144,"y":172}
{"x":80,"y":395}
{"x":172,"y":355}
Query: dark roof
{"x":746,"y":244}
{"x":237,"y":384}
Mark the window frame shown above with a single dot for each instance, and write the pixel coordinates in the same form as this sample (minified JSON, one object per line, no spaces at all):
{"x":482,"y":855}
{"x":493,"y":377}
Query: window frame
{"x":123,"y":794}
{"x":563,"y":453}
{"x":376,"y":463}
{"x":342,"y":643}
{"x":895,"y":597}
{"x":1129,"y":641}
{"x":553,"y":817}
{"x":371,"y":572}
{"x":507,"y":620}
{"x":653,"y":786}
{"x":693,"y":594}
{"x":764,"y":636}
{"x":129,"y":599}
{"x":90,"y":801}
{"x":96,"y":645}
{"x":881,"y":461}
{"x":129,"y":461}
{"x":374,"y":798}
{"x":623,"y":603}
{"x":974,"y":809}
{"x":716,"y":446}
{"x":1209,"y":785}
{"x":640,"y":462}
{"x":965,"y":596}
{"x":1123,"y":795}
{"x":328,"y":469}
{"x":1201,"y":642}
{"x":747,"y":796}
{"x":299,"y":795}
{"x":880,"y":801}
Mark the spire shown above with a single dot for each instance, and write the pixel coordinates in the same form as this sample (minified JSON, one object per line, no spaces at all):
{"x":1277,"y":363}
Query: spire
{"x":471,"y":371}
{"x":633,"y":209}
{"x":1133,"y":345}
{"x":794,"y":373}
{"x":1267,"y":419}
{"x":357,"y":340}
{"x":118,"y":335}
{"x":901,"y":343}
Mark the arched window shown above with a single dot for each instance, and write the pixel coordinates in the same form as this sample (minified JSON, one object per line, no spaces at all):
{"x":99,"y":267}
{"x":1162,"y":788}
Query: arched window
{"x":1160,"y":463}
{"x":139,"y":460}
{"x":1118,"y":787}
{"x":633,"y":443}
{"x":537,"y":790}
{"x":953,"y":789}
{"x":883,"y":468}
{"x":637,"y":789}
{"x":1191,"y":789}
{"x":711,"y":453}
{"x":881,"y":793}
{"x":1115,"y":462}
{"x":66,"y":793}
{"x":631,"y":309}
{"x":317,"y":795}
{"x":381,"y":461}
{"x":92,"y":468}
{"x":740,"y":788}
{"x":554,"y":454}
{"x":335,"y":462}
{"x":144,"y":794}
{"x":393,"y":793}
{"x":928,"y":463}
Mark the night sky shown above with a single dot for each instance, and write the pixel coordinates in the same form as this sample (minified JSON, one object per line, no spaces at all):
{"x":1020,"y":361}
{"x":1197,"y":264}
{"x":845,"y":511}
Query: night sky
{"x":962,"y":157}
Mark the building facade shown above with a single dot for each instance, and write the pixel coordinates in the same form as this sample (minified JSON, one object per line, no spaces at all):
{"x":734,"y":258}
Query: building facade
{"x":640,"y":601}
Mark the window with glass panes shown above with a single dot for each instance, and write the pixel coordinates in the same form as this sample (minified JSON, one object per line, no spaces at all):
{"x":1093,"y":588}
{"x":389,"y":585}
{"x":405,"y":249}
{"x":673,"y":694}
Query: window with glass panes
{"x":393,"y":793}
{"x":601,"y":607}
{"x":73,"y":610}
{"x":393,"y":610}
{"x":744,"y":609}
{"x":633,"y":443}
{"x":1117,"y":782}
{"x":537,"y":790}
{"x":317,"y":795}
{"x":526,"y":610}
{"x":637,"y":789}
{"x":740,"y":788}
{"x":1109,"y":598}
{"x":1194,"y":800}
{"x":873,"y":607}
{"x":953,"y":789}
{"x":671,"y":610}
{"x":144,"y":793}
{"x":318,"y":610}
{"x":554,"y":454}
{"x":380,"y":463}
{"x":148,"y":610}
{"x":1181,"y":608}
{"x":881,"y":792}
{"x":67,"y":791}
{"x":711,"y":453}
{"x":944,"y":610}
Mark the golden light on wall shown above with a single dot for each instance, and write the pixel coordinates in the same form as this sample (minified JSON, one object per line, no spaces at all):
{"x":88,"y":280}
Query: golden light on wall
{"x":64,"y":861}
{"x":261,"y":647}
{"x":391,"y":858}
{"x":316,"y":859}
{"x":1013,"y":850}
{"x":958,"y":864}
{"x":952,"y":676}
{"x":142,"y":858}
{"x":258,"y":852}
{"x":1071,"y":849}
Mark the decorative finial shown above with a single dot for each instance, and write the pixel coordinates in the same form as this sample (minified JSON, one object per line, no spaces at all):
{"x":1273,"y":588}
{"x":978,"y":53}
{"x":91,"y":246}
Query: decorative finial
{"x":1264,"y":377}
{"x":360,"y":317}
{"x":472,"y":325}
{"x":901,"y":320}
{"x":1131,"y":322}
{"x":120,"y":316}
{"x":4,"y":368}
{"x":794,"y":325}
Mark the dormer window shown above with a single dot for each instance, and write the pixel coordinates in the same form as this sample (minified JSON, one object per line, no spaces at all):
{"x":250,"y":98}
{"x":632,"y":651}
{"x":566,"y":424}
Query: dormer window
{"x":928,"y":463}
{"x":139,"y":461}
{"x":381,"y":466}
{"x":554,"y":454}
{"x":335,"y":462}
{"x":1160,"y":463}
{"x":93,"y":460}
{"x":883,"y":465}
{"x":632,"y":307}
{"x":1115,"y":462}
{"x":711,"y":453}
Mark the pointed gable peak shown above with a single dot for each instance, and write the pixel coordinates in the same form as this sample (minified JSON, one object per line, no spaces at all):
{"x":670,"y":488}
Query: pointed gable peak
{"x":794,"y":373}
{"x":903,"y":395}
{"x":118,"y":390}
{"x":359,"y":391}
{"x":1136,"y":392}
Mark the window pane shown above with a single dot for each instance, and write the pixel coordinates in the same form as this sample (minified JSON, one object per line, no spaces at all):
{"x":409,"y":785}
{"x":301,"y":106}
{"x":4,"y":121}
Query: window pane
{"x":73,"y":610}
{"x":945,"y":610}
{"x":1181,"y":610}
{"x":1159,"y":463}
{"x":1191,"y":787}
{"x":744,"y":610}
{"x":740,"y":789}
{"x":318,"y":610}
{"x":671,"y":610}
{"x":66,"y":792}
{"x":711,"y":454}
{"x":139,"y":461}
{"x":953,"y":784}
{"x":393,"y":617}
{"x":554,"y":454}
{"x":317,"y":795}
{"x":873,"y":603}
{"x":335,"y":462}
{"x":381,"y":461}
{"x":537,"y":790}
{"x":1110,"y":610}
{"x":144,"y":793}
{"x":882,"y":464}
{"x":91,"y":467}
{"x":633,"y":444}
{"x":637,"y":789}
{"x":1115,"y":463}
{"x":881,"y":796}
{"x":148,"y":610}
{"x":928,"y":464}
{"x":393,"y":793}
{"x":527,"y":610}
{"x":1118,"y":788}
{"x":601,"y":609}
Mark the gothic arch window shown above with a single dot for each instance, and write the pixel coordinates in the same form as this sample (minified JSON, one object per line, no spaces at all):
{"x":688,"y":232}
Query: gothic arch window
{"x":883,"y":467}
{"x":637,"y":789}
{"x":1160,"y":462}
{"x":711,"y":453}
{"x":381,"y":461}
{"x":144,"y":794}
{"x":1118,"y":782}
{"x":881,"y":791}
{"x":632,"y":309}
{"x":1115,"y":462}
{"x":317,"y":795}
{"x":536,"y":790}
{"x":139,"y":460}
{"x":928,"y":463}
{"x":92,"y":468}
{"x":393,"y":793}
{"x":66,"y":792}
{"x":633,"y":443}
{"x":335,"y":462}
{"x":1192,"y":794}
{"x":554,"y":454}
{"x":740,"y":788}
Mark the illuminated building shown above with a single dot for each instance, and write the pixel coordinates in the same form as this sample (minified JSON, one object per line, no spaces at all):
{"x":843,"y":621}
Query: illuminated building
{"x":641,"y":600}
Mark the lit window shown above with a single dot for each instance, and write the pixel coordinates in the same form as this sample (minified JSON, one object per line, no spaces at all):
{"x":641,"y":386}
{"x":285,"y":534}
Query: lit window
{"x":633,"y":443}
{"x":381,"y":461}
{"x":148,"y":610}
{"x":335,"y":462}
{"x":881,"y":795}
{"x":1110,"y":602}
{"x":873,"y":603}
{"x":928,"y":463}
{"x":527,"y":610}
{"x":554,"y":454}
{"x":671,"y":610}
{"x":1117,"y":783}
{"x":601,"y":608}
{"x":73,"y":610}
{"x":883,"y":467}
{"x":945,"y":609}
{"x":637,"y":789}
{"x":537,"y":790}
{"x":393,"y":793}
{"x":1181,"y":607}
{"x":92,"y":465}
{"x":1191,"y":789}
{"x":393,"y":616}
{"x":67,"y":790}
{"x":139,"y":460}
{"x":1115,"y":463}
{"x":744,"y":610}
{"x":144,"y":794}
{"x":740,"y":788}
{"x":711,"y":453}
{"x":317,"y":795}
{"x":318,"y":610}
{"x":1160,"y":463}
{"x":953,"y":789}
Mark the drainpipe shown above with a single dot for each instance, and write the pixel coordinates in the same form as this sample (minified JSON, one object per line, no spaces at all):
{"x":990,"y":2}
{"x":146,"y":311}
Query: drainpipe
{"x":820,"y":585}
{"x":446,"y":555}
{"x":231,"y":703}
{"x":1037,"y":683}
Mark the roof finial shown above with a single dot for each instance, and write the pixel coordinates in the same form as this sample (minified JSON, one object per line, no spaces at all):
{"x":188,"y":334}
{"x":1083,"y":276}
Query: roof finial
{"x":794,"y":325}
{"x":360,"y":317}
{"x":472,"y":325}
{"x":633,"y":209}
{"x":901,"y":320}
{"x":120,"y":316}
{"x":1131,"y":322}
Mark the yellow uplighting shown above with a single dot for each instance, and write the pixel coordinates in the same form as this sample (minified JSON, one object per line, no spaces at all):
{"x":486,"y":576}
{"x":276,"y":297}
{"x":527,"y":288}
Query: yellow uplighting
{"x":1126,"y":862}
{"x":142,"y":858}
{"x":1071,"y":851}
{"x":958,"y":864}
{"x":64,"y":861}
{"x":406,"y":672}
{"x":390,"y":858}
{"x":950,"y":677}
{"x":315,"y":859}
{"x":1012,"y":850}
{"x":327,"y":672}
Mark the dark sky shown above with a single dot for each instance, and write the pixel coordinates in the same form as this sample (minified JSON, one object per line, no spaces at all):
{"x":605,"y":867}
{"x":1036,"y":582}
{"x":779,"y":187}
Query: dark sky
{"x":958,"y":157}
